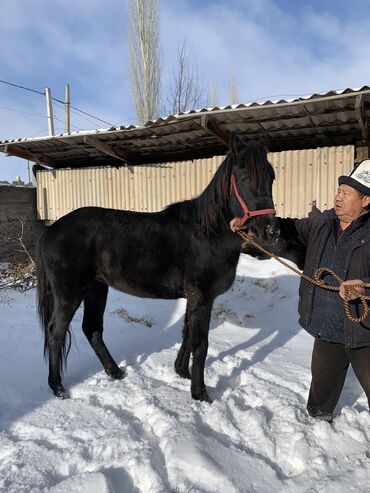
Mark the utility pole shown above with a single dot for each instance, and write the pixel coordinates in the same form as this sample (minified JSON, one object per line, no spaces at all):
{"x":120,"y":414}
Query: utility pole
{"x":68,"y":109}
{"x":28,"y":172}
{"x":49,"y":110}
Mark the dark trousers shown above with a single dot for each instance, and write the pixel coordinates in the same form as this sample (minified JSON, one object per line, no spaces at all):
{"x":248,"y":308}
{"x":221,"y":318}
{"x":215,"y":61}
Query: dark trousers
{"x":330,"y":362}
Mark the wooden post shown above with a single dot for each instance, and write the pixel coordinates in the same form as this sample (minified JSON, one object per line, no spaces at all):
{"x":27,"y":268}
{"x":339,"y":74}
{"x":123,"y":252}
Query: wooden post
{"x":49,"y":110}
{"x":211,"y":127}
{"x":362,"y":147}
{"x":28,"y":171}
{"x":362,"y":151}
{"x":68,"y":109}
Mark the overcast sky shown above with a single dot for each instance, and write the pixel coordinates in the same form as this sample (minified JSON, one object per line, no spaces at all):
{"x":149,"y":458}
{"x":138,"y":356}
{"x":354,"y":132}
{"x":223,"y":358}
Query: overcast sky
{"x":274,"y":49}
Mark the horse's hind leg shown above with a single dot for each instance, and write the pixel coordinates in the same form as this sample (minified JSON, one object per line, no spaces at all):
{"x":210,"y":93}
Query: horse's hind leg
{"x":183,"y":356}
{"x":56,"y":344}
{"x":92,"y":326}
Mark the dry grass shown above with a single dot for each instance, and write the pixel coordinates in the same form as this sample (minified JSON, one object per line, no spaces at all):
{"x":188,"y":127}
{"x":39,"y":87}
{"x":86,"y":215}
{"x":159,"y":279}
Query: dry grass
{"x":18,"y":275}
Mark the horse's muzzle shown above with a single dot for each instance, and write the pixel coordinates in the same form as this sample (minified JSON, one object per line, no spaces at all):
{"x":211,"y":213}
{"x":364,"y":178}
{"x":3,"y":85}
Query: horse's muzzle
{"x":271,"y":233}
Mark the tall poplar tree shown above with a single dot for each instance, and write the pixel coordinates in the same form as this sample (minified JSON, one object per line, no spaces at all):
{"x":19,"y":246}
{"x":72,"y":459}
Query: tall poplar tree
{"x":145,"y":58}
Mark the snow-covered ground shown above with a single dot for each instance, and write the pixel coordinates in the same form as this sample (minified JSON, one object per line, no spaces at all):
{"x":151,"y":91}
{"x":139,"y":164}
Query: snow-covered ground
{"x":146,"y":434}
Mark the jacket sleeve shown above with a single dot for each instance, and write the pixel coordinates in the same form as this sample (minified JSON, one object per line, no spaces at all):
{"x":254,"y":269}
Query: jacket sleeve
{"x":366,"y":280}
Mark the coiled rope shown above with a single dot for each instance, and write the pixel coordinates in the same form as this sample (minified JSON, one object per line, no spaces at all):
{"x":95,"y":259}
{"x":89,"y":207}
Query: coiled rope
{"x":349,"y":290}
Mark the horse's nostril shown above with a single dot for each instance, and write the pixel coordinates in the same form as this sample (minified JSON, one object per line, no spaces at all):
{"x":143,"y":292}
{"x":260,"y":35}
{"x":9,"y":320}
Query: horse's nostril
{"x":272,"y":231}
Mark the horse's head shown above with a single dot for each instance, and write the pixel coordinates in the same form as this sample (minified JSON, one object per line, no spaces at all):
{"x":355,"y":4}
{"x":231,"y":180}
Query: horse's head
{"x":251,"y":190}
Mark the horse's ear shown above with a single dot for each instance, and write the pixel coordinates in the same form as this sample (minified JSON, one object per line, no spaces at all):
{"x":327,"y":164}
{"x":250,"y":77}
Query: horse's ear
{"x":235,"y":143}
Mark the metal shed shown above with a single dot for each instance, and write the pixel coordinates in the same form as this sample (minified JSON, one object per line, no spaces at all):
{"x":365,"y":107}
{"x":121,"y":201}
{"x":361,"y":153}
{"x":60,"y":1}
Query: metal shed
{"x":302,"y":177}
{"x":334,"y":125}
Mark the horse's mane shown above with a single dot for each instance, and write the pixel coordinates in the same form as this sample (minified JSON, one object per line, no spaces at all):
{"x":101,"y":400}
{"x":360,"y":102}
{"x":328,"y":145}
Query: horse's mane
{"x":212,"y":202}
{"x":258,"y":168}
{"x":208,"y":209}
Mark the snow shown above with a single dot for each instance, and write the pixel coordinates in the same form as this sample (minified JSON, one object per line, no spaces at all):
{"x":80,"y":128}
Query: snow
{"x":146,"y":434}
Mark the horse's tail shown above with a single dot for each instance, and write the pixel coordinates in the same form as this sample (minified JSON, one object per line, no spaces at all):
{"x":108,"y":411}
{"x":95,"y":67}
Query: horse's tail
{"x":45,"y":305}
{"x":45,"y":300}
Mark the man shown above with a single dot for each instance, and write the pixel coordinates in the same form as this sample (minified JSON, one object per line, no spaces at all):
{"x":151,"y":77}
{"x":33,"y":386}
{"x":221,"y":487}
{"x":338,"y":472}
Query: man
{"x":338,"y":239}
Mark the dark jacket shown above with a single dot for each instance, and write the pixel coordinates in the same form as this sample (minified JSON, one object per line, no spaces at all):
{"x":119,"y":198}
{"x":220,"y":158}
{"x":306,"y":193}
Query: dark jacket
{"x":314,"y":233}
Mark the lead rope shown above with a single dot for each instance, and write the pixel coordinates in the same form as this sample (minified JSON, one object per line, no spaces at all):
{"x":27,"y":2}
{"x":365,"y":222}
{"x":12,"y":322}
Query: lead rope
{"x":348,"y":290}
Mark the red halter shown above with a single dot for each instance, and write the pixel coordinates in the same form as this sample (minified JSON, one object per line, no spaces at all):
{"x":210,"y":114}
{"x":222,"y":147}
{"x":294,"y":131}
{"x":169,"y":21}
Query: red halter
{"x":247,"y":213}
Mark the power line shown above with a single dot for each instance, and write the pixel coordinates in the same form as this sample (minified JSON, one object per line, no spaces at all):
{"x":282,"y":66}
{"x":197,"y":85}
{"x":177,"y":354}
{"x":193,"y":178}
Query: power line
{"x":20,"y":111}
{"x":55,"y":99}
{"x":6,"y":108}
{"x":92,"y":116}
{"x":34,"y":114}
{"x":84,"y":112}
{"x":63,"y":105}
{"x":21,"y":87}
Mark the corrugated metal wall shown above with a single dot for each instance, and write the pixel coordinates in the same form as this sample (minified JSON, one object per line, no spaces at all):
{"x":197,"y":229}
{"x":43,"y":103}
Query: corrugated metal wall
{"x":308,"y":175}
{"x":301,"y":177}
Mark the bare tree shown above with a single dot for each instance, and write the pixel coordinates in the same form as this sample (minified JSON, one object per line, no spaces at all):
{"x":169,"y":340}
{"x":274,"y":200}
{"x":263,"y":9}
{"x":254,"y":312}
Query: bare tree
{"x":17,"y":237}
{"x":213,"y":95}
{"x":145,"y":58}
{"x":186,"y":89}
{"x":234,"y":91}
{"x":17,"y":240}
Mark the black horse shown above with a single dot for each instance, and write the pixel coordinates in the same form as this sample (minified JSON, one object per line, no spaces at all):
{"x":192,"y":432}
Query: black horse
{"x":287,"y":245}
{"x":185,"y":251}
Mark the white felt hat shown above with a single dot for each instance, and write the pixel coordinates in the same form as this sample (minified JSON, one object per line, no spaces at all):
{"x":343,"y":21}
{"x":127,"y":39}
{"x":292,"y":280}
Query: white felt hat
{"x":359,"y":178}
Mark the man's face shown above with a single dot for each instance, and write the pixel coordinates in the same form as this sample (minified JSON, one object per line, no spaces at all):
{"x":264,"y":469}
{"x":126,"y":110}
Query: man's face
{"x":348,"y":204}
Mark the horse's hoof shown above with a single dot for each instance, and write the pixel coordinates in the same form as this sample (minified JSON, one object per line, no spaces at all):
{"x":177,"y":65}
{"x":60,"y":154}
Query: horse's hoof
{"x":183,"y":373}
{"x":116,"y":373}
{"x":201,"y":396}
{"x":60,"y":392}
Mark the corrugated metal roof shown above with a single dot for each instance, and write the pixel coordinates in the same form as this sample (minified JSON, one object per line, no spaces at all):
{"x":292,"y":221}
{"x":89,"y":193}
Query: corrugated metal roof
{"x":325,"y":119}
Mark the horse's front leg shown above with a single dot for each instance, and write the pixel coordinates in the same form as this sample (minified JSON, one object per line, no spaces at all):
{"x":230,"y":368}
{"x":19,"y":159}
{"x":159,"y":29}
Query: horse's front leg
{"x":199,"y":314}
{"x":92,"y":326}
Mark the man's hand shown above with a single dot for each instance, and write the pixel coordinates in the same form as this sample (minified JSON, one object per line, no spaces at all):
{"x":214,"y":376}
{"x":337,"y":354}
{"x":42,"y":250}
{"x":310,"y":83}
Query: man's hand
{"x":235,"y":224}
{"x":352,"y":295}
